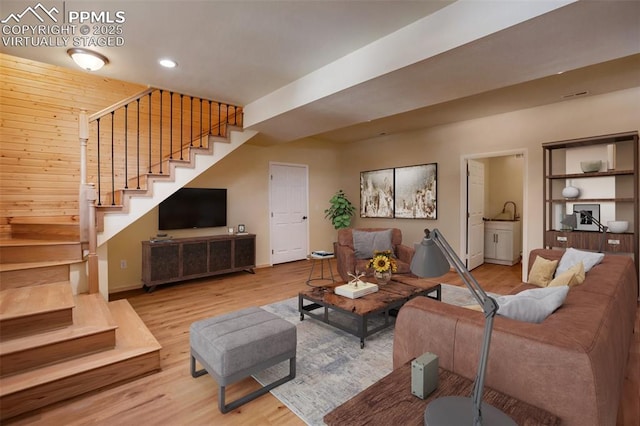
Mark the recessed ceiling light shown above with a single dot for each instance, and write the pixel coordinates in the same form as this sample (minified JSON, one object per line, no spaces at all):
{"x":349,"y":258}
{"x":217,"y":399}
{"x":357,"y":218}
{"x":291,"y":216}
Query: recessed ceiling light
{"x":168,"y":63}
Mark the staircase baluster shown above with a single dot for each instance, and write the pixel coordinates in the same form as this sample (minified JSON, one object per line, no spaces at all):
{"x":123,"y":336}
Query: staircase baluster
{"x":149,"y":137}
{"x":126,"y":147}
{"x":113,"y":153}
{"x":138,"y":144}
{"x":200,"y":124}
{"x":209,"y":126}
{"x":170,"y":125}
{"x":191,"y":122}
{"x":219,"y":117}
{"x":160,"y":131}
{"x":181,"y":124}
{"x":99,"y":179}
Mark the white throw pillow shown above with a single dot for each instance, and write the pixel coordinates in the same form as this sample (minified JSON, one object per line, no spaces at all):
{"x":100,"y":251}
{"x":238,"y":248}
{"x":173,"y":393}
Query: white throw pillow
{"x":532,"y":305}
{"x":572,"y":256}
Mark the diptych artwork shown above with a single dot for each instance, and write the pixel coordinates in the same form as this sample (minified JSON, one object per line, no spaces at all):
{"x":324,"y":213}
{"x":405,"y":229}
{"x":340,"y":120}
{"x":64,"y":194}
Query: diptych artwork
{"x":403,"y":192}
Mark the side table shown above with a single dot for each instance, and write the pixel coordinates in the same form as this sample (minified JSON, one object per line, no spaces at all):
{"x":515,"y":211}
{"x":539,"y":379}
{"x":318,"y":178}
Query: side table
{"x":390,"y":401}
{"x":320,"y":258}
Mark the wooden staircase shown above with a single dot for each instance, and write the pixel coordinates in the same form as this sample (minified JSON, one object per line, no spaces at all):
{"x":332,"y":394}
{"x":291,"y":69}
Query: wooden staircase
{"x":56,"y":345}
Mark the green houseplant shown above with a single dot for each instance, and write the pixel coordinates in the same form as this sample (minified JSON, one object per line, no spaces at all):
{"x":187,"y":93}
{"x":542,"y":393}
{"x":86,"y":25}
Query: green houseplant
{"x":340,"y":211}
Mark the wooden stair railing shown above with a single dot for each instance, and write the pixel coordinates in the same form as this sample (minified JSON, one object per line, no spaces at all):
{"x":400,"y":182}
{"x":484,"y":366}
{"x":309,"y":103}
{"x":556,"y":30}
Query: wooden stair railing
{"x":138,"y":137}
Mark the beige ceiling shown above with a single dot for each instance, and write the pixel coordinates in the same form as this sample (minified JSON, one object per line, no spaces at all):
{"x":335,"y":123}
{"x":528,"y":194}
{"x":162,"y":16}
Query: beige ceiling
{"x":292,"y":63}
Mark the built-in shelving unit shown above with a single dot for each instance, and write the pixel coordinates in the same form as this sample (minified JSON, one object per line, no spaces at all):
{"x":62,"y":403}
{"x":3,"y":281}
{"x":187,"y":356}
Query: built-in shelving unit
{"x":614,"y":189}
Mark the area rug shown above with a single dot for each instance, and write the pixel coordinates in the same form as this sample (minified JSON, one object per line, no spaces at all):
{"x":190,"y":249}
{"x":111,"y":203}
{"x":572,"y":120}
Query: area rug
{"x":330,"y":366}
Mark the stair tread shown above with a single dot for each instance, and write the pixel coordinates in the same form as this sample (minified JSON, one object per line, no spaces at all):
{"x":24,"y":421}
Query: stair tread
{"x":133,"y":339}
{"x":50,"y":297}
{"x":15,"y":242}
{"x":91,"y":315}
{"x":5,"y":267}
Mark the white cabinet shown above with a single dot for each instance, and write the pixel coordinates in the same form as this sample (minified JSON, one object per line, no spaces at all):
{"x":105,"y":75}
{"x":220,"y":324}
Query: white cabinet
{"x":502,"y":242}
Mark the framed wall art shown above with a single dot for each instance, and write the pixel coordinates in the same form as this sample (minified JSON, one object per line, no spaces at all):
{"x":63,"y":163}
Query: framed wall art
{"x":415,"y":191}
{"x":376,"y":193}
{"x":584,"y":222}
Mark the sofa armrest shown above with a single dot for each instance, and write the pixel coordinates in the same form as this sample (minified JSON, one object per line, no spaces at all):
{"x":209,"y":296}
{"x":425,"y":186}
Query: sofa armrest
{"x":424,"y":325}
{"x":404,"y":253}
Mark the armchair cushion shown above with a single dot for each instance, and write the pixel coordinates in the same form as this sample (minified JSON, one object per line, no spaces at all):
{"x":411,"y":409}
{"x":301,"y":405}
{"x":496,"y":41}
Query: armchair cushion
{"x":366,"y":243}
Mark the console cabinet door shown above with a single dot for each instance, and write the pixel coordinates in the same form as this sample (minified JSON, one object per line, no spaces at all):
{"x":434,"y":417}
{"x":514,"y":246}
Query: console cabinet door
{"x":220,"y":255}
{"x":194,"y":259}
{"x":245,"y":253}
{"x":163,"y":263}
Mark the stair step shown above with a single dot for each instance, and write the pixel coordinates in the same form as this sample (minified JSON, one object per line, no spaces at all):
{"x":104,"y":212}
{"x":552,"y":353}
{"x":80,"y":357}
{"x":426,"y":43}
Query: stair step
{"x":28,"y":310}
{"x":17,"y":250}
{"x":46,"y":231}
{"x":14,"y":275}
{"x":93,"y":329}
{"x":136,"y":354}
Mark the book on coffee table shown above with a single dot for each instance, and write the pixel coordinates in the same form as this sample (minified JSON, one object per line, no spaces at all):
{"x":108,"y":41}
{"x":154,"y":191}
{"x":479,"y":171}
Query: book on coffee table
{"x":363,"y":288}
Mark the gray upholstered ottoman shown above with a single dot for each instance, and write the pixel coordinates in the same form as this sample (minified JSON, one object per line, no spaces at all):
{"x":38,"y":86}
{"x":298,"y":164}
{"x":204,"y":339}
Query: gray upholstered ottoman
{"x":236,"y":345}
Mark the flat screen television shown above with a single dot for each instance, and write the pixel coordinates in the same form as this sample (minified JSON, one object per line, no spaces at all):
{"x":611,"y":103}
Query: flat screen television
{"x":193,"y":208}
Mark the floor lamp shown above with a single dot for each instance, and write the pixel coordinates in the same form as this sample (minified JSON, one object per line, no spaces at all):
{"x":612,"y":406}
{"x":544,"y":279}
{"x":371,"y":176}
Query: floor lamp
{"x":433,"y":258}
{"x":571,"y":220}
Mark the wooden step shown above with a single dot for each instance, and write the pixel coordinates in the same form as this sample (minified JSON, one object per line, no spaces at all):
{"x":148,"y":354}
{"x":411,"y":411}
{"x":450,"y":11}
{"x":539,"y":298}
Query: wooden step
{"x":137,"y":353}
{"x":14,"y":275}
{"x":17,"y":250}
{"x":29,"y":310}
{"x":93,"y":330}
{"x":59,"y":231}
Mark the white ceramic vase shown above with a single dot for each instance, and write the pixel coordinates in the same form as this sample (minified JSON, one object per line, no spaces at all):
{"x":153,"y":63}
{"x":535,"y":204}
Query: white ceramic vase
{"x":570,"y":192}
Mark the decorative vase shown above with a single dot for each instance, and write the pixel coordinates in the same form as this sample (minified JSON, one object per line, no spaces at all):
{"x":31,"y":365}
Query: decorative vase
{"x":570,"y":192}
{"x":382,"y":278}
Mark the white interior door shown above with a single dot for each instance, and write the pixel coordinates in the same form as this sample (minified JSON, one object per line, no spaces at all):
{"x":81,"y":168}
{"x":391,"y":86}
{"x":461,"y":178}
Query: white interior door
{"x":475,"y":213}
{"x":289,"y":211}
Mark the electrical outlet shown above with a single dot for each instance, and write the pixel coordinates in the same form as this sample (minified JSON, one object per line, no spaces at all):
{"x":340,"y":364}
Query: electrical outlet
{"x":562,"y":238}
{"x":614,"y":242}
{"x":123,"y":264}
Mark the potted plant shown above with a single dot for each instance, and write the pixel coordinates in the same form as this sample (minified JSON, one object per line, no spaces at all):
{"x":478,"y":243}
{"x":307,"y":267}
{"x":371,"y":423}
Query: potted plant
{"x":340,"y":211}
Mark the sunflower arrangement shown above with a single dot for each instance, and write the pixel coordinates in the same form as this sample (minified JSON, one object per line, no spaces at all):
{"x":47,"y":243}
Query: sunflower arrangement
{"x":383,"y":261}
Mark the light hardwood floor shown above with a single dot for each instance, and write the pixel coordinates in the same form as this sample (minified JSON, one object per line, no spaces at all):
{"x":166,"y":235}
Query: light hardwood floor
{"x":173,"y":397}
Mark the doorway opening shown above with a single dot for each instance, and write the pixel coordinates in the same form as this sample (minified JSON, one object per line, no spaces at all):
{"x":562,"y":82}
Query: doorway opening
{"x":499,"y":185}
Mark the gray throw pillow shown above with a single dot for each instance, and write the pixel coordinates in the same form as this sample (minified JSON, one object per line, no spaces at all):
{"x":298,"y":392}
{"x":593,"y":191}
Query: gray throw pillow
{"x":365,"y":243}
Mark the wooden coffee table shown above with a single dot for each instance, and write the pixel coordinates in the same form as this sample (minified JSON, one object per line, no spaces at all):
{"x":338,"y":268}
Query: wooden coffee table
{"x":388,"y":299}
{"x":389,"y":401}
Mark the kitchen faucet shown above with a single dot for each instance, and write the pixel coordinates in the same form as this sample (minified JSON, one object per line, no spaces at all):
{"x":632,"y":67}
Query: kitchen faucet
{"x":515,"y":214}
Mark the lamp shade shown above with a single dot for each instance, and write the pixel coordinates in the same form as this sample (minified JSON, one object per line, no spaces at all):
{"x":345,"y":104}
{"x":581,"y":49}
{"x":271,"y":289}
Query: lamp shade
{"x":428,"y":260}
{"x":87,"y":59}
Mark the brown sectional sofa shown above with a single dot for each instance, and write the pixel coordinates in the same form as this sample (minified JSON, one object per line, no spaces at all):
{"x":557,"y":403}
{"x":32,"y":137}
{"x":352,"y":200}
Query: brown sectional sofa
{"x":572,"y":364}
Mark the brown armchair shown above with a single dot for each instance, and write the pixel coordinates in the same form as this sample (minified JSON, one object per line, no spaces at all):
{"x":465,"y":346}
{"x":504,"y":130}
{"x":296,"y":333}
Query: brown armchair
{"x":348,"y":261}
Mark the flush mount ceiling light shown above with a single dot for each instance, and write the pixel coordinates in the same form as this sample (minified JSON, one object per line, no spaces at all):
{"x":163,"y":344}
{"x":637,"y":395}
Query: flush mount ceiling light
{"x":168,"y":63}
{"x":87,"y":59}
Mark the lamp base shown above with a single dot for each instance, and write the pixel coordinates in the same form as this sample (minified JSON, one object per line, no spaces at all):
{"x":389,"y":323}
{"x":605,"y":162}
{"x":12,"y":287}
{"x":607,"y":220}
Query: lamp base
{"x":458,"y":411}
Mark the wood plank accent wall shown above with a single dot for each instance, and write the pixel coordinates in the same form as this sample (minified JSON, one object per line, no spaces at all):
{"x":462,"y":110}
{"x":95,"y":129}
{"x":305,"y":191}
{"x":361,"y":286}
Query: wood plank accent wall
{"x":39,"y":148}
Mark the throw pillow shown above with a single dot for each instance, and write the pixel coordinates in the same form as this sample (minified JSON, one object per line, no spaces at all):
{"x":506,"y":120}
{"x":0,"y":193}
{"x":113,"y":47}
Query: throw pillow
{"x":572,"y":277}
{"x":365,"y":243}
{"x":572,"y":256}
{"x":532,"y":305}
{"x":542,"y":271}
